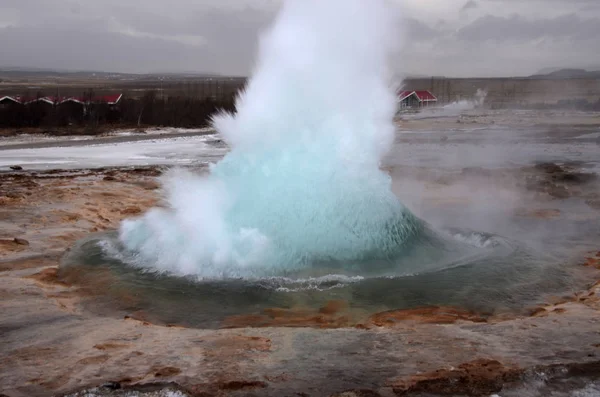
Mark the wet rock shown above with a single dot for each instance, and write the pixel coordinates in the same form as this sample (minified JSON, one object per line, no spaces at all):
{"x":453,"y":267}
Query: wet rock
{"x":165,"y":372}
{"x":576,"y":177}
{"x":476,"y":171}
{"x":241,"y":385}
{"x":109,"y":178}
{"x":139,"y":315}
{"x":16,"y":168}
{"x":333,"y":307}
{"x":476,"y":378}
{"x":424,"y":315}
{"x":279,"y":317}
{"x":225,"y":387}
{"x":151,"y":171}
{"x":112,"y":385}
{"x":5,"y":201}
{"x":14,"y":195}
{"x":133,"y":210}
{"x":559,"y":173}
{"x":543,"y":185}
{"x":110,"y":346}
{"x":538,"y":311}
{"x":558,"y":191}
{"x":593,"y":261}
{"x":148,"y":185}
{"x":329,"y":316}
{"x":27,"y":263}
{"x":48,"y":276}
{"x":157,"y":389}
{"x":20,"y":241}
{"x":540,"y":213}
{"x":595,"y":204}
{"x":550,"y":168}
{"x":96,"y":359}
{"x":357,"y":393}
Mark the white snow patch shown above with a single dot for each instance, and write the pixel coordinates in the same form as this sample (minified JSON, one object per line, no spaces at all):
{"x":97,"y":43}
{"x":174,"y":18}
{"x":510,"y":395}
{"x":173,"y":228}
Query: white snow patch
{"x":167,"y":151}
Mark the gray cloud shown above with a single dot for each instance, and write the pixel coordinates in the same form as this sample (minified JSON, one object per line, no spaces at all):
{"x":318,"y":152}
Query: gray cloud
{"x":495,"y":37}
{"x":593,"y":7}
{"x":571,"y":2}
{"x":514,"y":45}
{"x":419,"y":31}
{"x":88,"y":50}
{"x":213,"y":39}
{"x":469,"y":5}
{"x":518,"y":28}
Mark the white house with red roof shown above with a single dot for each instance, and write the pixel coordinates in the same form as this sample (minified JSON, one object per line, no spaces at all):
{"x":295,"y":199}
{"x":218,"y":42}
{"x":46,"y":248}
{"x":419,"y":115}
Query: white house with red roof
{"x":55,"y":100}
{"x":415,"y":99}
{"x":6,"y":100}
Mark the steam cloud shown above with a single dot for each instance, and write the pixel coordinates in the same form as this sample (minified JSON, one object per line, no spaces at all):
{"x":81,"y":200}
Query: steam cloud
{"x":302,"y":182}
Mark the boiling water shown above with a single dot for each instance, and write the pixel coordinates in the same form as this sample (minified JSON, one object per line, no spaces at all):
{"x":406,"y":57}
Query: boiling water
{"x":299,"y":212}
{"x":302,"y":183}
{"x":497,"y":276}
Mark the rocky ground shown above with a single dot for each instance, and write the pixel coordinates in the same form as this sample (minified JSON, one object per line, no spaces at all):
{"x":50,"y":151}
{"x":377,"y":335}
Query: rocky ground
{"x":50,"y":345}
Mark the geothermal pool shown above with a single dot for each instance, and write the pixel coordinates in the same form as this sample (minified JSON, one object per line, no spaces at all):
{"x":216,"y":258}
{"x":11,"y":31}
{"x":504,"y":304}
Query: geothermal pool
{"x":504,"y":279}
{"x":302,"y":214}
{"x":508,"y":249}
{"x":320,"y":212}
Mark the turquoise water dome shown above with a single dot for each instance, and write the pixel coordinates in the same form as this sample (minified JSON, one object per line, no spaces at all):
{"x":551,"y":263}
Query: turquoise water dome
{"x":302,"y":183}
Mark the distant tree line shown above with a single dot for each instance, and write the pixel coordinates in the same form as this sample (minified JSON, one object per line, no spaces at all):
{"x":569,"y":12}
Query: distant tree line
{"x":91,"y":116}
{"x":179,"y":111}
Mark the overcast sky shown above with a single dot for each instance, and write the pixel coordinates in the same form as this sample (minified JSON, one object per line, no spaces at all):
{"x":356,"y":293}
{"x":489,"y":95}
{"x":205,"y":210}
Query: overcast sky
{"x":446,"y":37}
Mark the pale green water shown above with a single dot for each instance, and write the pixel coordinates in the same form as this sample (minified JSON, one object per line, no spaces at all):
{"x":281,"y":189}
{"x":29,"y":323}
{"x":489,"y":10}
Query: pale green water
{"x":495,"y":275}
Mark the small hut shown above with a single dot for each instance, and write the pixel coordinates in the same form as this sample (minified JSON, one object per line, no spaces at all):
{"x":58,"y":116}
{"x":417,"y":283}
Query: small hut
{"x":415,"y":99}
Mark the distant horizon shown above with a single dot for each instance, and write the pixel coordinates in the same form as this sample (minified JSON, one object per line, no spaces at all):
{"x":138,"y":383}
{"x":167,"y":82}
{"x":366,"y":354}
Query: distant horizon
{"x":26,"y":69}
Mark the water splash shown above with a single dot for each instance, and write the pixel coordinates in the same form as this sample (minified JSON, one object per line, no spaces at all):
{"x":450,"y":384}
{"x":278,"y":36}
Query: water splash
{"x":302,"y":183}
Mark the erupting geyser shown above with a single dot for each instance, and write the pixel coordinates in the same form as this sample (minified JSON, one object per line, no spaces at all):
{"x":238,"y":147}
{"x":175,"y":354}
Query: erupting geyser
{"x":299,"y":212}
{"x":301,"y":184}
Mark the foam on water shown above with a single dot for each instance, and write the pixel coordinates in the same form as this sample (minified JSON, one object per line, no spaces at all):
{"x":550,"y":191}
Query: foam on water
{"x":301,"y":184}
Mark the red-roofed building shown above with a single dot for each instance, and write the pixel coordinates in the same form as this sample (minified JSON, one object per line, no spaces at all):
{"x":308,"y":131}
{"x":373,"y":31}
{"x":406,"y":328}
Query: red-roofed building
{"x":110,"y":99}
{"x":6,"y":101}
{"x":61,"y":110}
{"x":418,"y":98}
{"x":54,"y":100}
